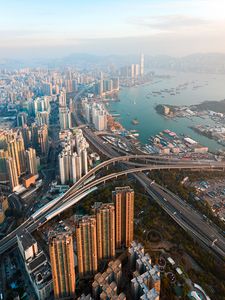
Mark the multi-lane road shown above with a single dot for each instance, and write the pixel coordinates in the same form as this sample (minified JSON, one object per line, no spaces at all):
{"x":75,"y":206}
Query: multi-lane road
{"x":190,"y":220}
{"x":175,"y":207}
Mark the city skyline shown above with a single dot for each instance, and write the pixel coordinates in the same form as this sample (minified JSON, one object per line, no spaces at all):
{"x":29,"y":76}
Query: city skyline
{"x":54,"y":29}
{"x":112,"y":150}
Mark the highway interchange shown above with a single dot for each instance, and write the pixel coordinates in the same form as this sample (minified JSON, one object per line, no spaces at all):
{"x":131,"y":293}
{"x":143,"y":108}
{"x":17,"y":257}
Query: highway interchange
{"x":179,"y":210}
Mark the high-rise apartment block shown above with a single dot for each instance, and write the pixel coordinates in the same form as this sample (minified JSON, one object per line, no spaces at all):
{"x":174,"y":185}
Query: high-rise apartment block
{"x":105,"y":216}
{"x":105,"y":285}
{"x":86,"y":239}
{"x":73,"y":159}
{"x":146,"y":277}
{"x":62,"y":263}
{"x":31,"y":159}
{"x":123,"y":197}
{"x":65,"y":118}
{"x":21,"y":119}
{"x":43,"y":143}
{"x":42,"y":118}
{"x":4,"y":205}
{"x":47,"y":88}
{"x":62,"y":98}
{"x":142,"y":65}
{"x":96,"y":114}
{"x":12,"y":173}
{"x":41,"y":104}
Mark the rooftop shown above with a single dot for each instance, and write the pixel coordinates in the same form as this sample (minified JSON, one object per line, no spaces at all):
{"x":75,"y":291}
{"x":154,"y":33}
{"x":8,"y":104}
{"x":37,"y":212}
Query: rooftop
{"x":26,"y":239}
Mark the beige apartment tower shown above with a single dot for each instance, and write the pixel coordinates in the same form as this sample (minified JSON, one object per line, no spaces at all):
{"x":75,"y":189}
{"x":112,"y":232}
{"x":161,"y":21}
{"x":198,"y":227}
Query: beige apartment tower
{"x":12,"y":172}
{"x":123,"y":197}
{"x":62,"y":263}
{"x":86,"y":246}
{"x":105,"y":215}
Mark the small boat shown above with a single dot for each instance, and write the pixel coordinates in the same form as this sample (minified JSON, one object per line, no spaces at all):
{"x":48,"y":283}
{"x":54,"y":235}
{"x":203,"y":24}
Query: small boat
{"x":135,"y":121}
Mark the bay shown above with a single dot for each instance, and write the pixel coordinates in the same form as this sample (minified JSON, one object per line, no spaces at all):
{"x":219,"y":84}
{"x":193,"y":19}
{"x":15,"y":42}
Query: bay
{"x":139,"y":102}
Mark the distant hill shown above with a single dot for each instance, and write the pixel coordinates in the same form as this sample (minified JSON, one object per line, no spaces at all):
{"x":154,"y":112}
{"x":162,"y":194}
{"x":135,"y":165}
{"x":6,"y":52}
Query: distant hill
{"x":217,"y":106}
{"x":204,"y":63}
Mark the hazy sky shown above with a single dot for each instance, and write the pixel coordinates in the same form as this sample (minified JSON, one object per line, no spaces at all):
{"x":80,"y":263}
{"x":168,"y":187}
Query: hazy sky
{"x":54,"y":28}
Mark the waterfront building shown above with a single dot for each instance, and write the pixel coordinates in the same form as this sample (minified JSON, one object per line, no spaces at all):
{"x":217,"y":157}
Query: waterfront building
{"x":99,"y":117}
{"x":142,"y":62}
{"x":123,"y":197}
{"x":116,"y":83}
{"x":136,"y":70}
{"x":62,"y":264}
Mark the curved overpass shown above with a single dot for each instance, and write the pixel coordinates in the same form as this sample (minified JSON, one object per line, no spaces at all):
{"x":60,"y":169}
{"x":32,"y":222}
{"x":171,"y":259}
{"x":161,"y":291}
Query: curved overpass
{"x":80,"y":188}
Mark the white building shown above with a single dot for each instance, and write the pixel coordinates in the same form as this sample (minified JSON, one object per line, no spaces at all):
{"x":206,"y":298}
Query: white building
{"x":73,"y":160}
{"x":36,"y":265}
{"x":32,"y":161}
{"x":64,"y":118}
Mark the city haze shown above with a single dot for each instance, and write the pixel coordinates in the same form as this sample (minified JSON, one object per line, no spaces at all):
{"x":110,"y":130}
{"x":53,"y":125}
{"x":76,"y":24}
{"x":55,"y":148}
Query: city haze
{"x":56,"y":29}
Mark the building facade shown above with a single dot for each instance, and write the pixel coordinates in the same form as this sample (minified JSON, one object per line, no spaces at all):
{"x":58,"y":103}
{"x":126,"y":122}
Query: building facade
{"x":123,"y":197}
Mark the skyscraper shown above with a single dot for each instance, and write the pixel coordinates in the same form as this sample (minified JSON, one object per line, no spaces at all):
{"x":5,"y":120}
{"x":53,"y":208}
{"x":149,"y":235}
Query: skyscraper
{"x":123,"y":198}
{"x":142,"y":62}
{"x":3,"y":166}
{"x":86,"y":246}
{"x":101,"y":88}
{"x":21,"y":119}
{"x":47,"y":88}
{"x":26,"y":133}
{"x":81,"y":146}
{"x":43,"y":139}
{"x":64,"y":118}
{"x":42,"y":117}
{"x":62,"y":99}
{"x":62,"y":263}
{"x":31,"y":159}
{"x":17,"y":152}
{"x":105,"y":216}
{"x":12,"y":172}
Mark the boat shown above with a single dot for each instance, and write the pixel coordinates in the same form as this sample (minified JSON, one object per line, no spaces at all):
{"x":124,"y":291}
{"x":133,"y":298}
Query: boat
{"x":135,"y":121}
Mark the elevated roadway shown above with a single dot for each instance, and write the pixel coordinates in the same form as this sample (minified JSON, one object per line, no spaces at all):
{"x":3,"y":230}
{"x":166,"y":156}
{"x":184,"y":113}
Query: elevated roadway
{"x":175,"y":207}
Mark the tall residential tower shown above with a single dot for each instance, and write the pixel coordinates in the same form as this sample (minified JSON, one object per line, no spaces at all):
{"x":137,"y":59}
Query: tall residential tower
{"x":123,"y":198}
{"x":105,"y":215}
{"x":62,"y":263}
{"x":86,"y":246}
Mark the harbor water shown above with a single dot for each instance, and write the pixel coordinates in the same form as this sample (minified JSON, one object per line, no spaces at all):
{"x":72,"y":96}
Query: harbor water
{"x":179,"y":89}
